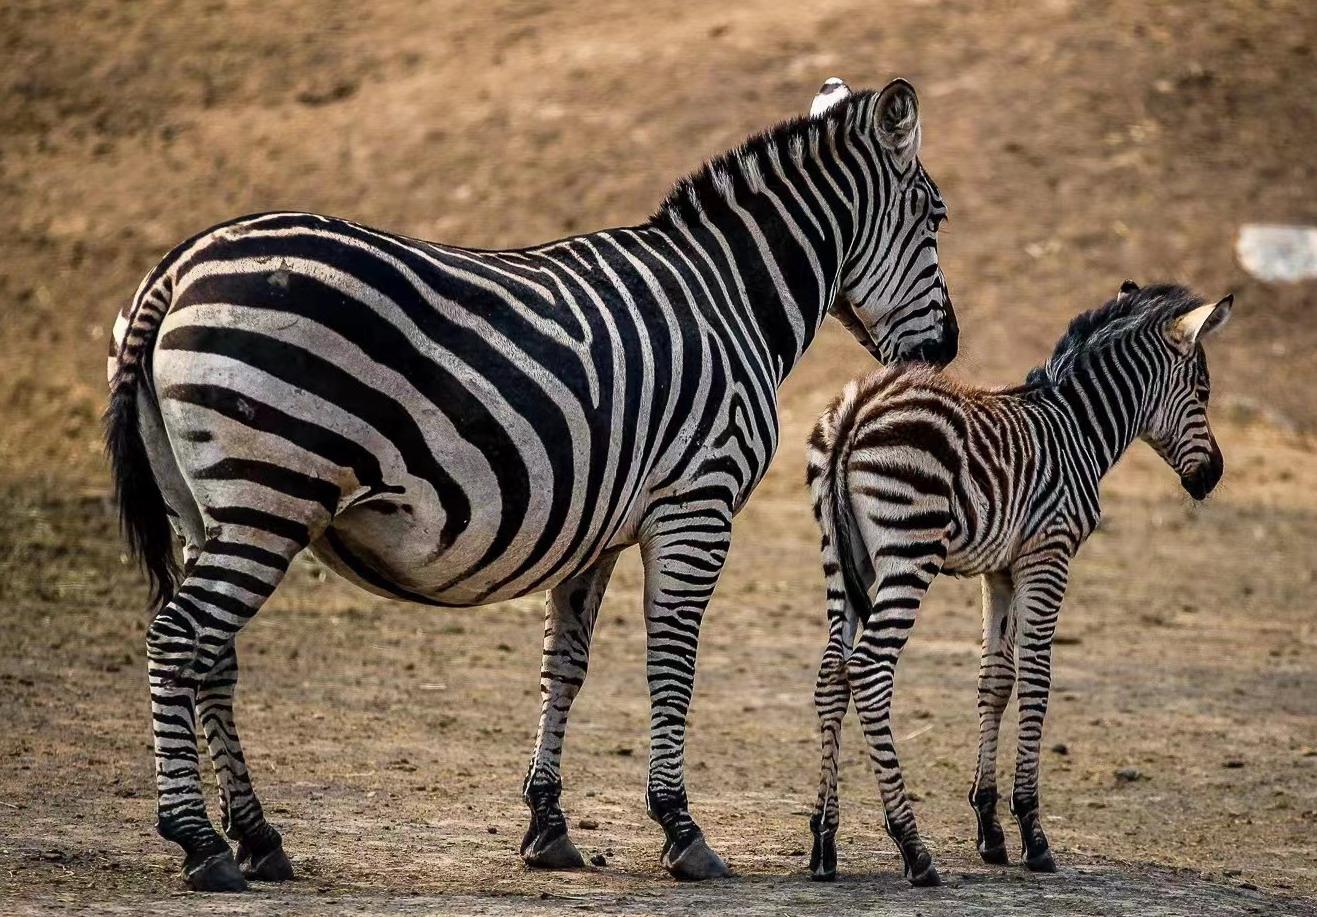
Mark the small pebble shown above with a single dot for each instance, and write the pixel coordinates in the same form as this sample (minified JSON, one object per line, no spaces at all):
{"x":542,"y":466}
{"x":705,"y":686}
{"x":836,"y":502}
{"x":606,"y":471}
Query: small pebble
{"x":599,"y":860}
{"x":492,"y":830}
{"x":1232,"y":763}
{"x":1129,"y":774}
{"x":1061,"y":748}
{"x":587,"y":824}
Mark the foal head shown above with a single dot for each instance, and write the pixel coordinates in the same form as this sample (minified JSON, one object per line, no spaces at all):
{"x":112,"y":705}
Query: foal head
{"x":1177,"y":425}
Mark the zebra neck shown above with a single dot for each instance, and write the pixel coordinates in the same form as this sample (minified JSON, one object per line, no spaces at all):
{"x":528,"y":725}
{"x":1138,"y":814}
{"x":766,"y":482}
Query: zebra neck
{"x":777,"y":227}
{"x":1105,"y":410}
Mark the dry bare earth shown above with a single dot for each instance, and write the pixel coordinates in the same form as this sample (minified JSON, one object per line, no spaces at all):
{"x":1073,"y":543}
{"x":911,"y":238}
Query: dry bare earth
{"x":1075,"y":148}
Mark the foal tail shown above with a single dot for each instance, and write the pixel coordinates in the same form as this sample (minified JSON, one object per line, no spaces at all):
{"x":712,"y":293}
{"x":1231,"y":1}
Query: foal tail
{"x":826,"y":474}
{"x":143,"y":514}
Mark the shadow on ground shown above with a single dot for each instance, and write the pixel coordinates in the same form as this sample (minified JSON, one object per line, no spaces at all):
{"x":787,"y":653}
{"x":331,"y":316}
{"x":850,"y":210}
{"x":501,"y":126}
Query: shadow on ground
{"x":1089,"y":890}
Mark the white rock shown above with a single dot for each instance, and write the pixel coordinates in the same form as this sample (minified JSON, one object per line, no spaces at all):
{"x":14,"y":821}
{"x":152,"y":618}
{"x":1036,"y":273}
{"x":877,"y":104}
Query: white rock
{"x":1278,"y":253}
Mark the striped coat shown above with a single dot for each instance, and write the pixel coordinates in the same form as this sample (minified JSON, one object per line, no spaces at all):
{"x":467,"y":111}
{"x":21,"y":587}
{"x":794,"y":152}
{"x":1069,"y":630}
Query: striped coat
{"x":455,"y":427}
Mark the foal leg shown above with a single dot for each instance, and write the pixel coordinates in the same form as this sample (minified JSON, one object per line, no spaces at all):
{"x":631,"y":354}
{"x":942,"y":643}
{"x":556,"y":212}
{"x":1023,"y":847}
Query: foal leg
{"x":1040,"y":587}
{"x":996,"y":682}
{"x":684,"y":554}
{"x":235,"y":572}
{"x":871,"y":673}
{"x":573,"y":607}
{"x":832,"y":698}
{"x":260,"y":847}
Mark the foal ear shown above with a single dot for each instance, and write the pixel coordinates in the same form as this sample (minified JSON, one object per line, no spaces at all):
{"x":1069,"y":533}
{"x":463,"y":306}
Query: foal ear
{"x":1189,"y":329}
{"x":833,"y":90}
{"x":897,"y":121}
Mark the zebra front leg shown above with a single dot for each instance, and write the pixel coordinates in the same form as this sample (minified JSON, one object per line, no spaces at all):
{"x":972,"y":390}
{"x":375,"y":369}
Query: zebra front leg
{"x":570,"y":614}
{"x":231,"y":579}
{"x":683,"y":558}
{"x":995,"y":684}
{"x":1040,"y":587}
{"x":260,"y":853}
{"x":832,"y":697}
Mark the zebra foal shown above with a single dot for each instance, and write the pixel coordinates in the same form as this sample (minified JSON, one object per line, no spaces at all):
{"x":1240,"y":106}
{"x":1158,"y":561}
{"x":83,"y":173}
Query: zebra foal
{"x":914,"y":475}
{"x":457,"y":427}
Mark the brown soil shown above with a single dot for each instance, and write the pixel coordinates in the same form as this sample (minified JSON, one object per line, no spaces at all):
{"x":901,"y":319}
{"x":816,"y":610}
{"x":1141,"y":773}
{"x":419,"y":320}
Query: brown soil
{"x":1077,"y":144}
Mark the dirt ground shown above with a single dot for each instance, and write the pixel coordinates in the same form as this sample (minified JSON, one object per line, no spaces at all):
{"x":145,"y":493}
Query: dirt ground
{"x":1076,"y":143}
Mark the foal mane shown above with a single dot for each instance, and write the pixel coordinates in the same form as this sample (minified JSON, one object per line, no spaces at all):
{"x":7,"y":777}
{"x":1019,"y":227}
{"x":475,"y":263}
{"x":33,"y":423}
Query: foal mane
{"x":1092,"y":331}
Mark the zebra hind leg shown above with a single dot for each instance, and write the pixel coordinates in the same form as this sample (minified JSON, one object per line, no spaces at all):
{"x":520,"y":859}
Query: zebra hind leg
{"x":186,"y":641}
{"x":832,"y":697}
{"x":260,"y":853}
{"x":871,"y":673}
{"x":573,"y":607}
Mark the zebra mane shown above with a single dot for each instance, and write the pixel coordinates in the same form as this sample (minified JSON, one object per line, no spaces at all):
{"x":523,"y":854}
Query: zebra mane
{"x":709,"y":186}
{"x":1096,"y":329}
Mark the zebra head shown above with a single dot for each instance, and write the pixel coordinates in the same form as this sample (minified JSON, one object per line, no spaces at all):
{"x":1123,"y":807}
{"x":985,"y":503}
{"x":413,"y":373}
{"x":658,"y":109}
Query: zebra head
{"x":893,"y":297}
{"x":1178,"y":429}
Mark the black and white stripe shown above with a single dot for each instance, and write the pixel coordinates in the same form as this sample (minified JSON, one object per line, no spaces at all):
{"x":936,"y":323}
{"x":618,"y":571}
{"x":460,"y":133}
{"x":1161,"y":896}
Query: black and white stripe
{"x":914,"y":475}
{"x":457,"y":427}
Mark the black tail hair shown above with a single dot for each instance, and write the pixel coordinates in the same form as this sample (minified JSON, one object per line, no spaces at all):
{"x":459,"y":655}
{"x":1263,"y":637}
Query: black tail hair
{"x":854,"y":563}
{"x":143,"y":516}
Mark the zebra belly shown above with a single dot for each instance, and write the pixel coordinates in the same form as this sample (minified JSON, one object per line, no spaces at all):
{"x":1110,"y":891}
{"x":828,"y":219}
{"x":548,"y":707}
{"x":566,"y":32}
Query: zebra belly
{"x":389,"y":548}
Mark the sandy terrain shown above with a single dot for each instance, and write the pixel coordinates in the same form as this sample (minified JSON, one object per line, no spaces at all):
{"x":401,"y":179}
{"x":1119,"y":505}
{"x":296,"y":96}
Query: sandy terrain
{"x":1076,"y":145}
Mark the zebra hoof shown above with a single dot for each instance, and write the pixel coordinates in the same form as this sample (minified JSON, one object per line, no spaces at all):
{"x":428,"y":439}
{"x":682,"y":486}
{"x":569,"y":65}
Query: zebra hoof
{"x":995,"y":856}
{"x":696,"y":863}
{"x":823,"y":858}
{"x":928,"y":878}
{"x":272,"y":866}
{"x":217,"y":874}
{"x":559,"y":853}
{"x":1041,"y":862}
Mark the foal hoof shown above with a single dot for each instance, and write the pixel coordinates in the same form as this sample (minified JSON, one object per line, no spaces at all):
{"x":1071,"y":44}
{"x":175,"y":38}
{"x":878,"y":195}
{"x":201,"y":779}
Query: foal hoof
{"x":1042,"y":862}
{"x":927,"y":878}
{"x":559,"y":853}
{"x":272,"y":866}
{"x":995,"y":856}
{"x":696,"y":863}
{"x":823,"y":859}
{"x":217,"y":874}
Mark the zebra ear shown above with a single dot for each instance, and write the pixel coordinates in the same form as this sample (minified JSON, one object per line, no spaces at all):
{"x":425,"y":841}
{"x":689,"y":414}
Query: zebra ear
{"x":1190,"y":329}
{"x":1128,"y":288}
{"x":897,"y":121}
{"x":833,"y":90}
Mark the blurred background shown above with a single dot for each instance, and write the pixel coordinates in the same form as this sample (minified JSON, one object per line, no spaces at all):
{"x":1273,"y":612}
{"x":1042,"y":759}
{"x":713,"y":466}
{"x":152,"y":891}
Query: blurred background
{"x":1076,"y":143}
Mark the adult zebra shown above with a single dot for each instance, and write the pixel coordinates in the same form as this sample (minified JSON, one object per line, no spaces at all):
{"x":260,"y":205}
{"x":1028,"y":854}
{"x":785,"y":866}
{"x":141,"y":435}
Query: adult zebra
{"x":458,"y":427}
{"x":914,"y":475}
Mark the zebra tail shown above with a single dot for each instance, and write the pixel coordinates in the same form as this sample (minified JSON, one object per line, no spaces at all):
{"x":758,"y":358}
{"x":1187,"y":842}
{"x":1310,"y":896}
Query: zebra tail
{"x":830,"y":445}
{"x":851,"y":555}
{"x":143,"y":514}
